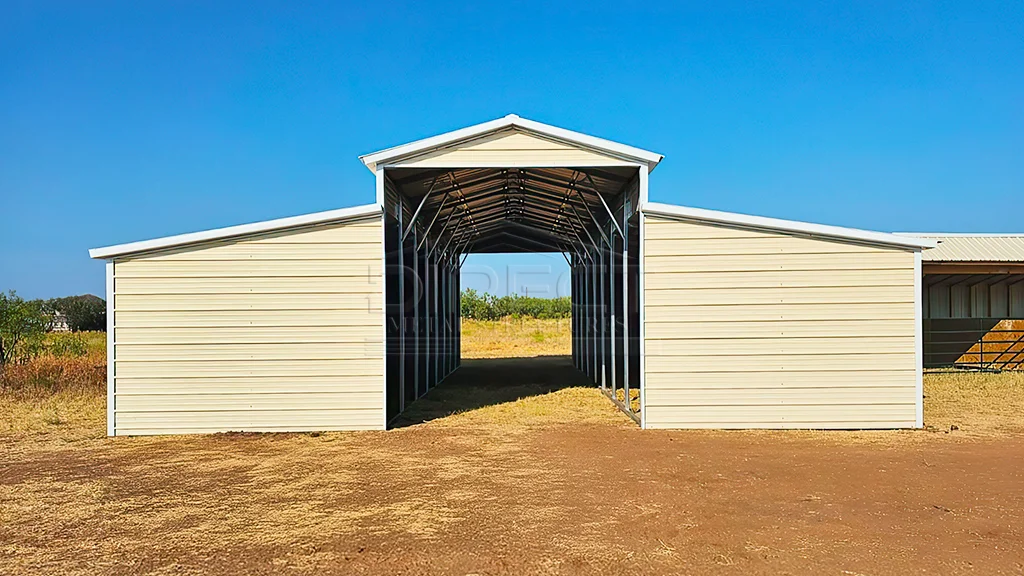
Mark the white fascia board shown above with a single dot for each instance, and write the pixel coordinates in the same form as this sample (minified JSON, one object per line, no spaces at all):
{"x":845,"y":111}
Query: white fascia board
{"x":960,"y":234}
{"x":790,"y":226}
{"x":325,"y":217}
{"x":650,"y":159}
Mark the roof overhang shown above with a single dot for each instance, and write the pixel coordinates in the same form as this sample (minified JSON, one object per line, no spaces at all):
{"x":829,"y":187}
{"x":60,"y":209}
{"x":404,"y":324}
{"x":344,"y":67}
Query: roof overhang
{"x":966,"y":248}
{"x":787,"y":226}
{"x":305,"y":220}
{"x":510,"y":122}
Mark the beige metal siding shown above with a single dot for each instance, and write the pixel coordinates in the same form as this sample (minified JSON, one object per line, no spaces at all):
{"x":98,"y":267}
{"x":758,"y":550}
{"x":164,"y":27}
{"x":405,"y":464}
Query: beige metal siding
{"x":511,"y":149}
{"x":278,"y":332}
{"x":753,"y":329}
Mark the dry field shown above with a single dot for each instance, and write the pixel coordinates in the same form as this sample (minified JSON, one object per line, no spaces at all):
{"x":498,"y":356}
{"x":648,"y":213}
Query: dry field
{"x":512,"y":466}
{"x":515,"y":338}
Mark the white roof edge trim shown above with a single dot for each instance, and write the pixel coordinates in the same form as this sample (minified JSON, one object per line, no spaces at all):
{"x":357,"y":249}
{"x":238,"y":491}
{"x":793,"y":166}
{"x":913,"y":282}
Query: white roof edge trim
{"x":651,"y":159}
{"x":792,"y":226}
{"x":962,"y":234}
{"x":315,"y":218}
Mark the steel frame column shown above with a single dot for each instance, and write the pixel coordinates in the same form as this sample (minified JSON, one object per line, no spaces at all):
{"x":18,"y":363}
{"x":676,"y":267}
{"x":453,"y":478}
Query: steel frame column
{"x":625,"y":302}
{"x":427,"y":313}
{"x":401,"y":311}
{"x":433,"y":319}
{"x":417,"y":344}
{"x":572,"y":309}
{"x":610,"y":270}
{"x":595,"y":313}
{"x":603,"y":272}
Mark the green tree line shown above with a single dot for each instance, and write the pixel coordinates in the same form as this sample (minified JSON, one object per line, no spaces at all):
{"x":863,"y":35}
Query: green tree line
{"x":25,"y":323}
{"x":484,"y":306}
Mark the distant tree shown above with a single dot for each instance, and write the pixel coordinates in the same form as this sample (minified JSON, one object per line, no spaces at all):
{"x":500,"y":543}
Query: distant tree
{"x":86,"y":312}
{"x":22,"y":327}
{"x":489,"y":307}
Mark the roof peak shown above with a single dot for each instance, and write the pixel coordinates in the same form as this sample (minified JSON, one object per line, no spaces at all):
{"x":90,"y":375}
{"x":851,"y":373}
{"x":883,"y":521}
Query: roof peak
{"x":448,"y":139}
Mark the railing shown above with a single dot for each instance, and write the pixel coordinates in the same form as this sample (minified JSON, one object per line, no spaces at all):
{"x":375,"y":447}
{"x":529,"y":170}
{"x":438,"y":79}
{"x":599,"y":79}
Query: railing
{"x":974,"y":343}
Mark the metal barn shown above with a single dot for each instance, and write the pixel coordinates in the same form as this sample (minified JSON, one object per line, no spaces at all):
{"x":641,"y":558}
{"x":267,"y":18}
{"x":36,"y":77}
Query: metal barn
{"x":973,"y":299}
{"x":687,"y":318}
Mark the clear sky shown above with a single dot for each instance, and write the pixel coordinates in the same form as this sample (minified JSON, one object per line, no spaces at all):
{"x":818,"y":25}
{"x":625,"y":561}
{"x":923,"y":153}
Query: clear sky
{"x":128,"y":121}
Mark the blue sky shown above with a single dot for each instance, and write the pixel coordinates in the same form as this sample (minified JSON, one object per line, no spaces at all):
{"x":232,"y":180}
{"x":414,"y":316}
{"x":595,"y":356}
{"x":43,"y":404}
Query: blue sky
{"x":127,"y":121}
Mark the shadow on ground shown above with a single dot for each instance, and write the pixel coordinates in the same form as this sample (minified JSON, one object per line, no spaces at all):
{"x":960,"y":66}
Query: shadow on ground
{"x":489,"y":381}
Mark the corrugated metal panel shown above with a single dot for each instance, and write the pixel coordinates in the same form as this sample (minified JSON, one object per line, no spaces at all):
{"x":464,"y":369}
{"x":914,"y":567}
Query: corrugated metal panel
{"x":282,"y":331}
{"x":821,"y":312}
{"x":833,"y":328}
{"x":1017,"y":300}
{"x":739,"y":294}
{"x":869,"y":260}
{"x":755,"y":329}
{"x":781,"y":396}
{"x":204,"y":422}
{"x":981,"y":248}
{"x":779,"y":379}
{"x":762,"y":244}
{"x":821,"y":363}
{"x":781,"y":279}
{"x":510,"y":149}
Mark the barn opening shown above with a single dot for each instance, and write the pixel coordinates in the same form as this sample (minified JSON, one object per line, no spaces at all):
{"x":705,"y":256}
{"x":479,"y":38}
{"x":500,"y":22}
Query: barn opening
{"x":973,"y":300}
{"x":436,"y":217}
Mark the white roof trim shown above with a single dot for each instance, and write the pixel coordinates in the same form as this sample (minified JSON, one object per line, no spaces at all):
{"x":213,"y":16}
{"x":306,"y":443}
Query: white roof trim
{"x":790,"y":226}
{"x":448,"y":139}
{"x":328,"y":216}
{"x":961,"y":234}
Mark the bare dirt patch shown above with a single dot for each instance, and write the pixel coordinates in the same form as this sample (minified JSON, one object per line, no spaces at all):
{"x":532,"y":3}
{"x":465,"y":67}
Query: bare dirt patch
{"x":514,"y":466}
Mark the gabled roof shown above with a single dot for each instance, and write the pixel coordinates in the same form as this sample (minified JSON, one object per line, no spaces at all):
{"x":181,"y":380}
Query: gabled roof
{"x":510,"y":122}
{"x":327,"y":217}
{"x":786,"y":226}
{"x":973,"y":247}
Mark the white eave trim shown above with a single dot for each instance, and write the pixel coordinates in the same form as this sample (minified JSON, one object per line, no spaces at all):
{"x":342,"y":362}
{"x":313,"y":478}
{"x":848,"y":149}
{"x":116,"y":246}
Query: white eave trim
{"x":788,"y":226}
{"x":940,"y":235}
{"x":449,"y":139}
{"x":329,"y":216}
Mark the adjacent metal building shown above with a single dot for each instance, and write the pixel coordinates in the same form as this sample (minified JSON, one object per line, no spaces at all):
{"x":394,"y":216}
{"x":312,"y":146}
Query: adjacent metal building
{"x":973,"y":300}
{"x":687,"y":318}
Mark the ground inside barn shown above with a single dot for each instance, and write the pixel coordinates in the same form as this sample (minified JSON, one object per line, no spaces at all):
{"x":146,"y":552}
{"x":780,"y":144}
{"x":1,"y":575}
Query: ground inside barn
{"x":536,"y":474}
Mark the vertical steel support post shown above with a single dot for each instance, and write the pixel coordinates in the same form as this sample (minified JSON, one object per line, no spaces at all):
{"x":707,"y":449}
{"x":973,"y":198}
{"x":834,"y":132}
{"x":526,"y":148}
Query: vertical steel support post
{"x":626,"y":303}
{"x":596,"y":266}
{"x":611,"y":307}
{"x":401,"y":310}
{"x":434,"y":320}
{"x":416,"y":311}
{"x":572,"y":310}
{"x":603,"y":271}
{"x":427,"y":314}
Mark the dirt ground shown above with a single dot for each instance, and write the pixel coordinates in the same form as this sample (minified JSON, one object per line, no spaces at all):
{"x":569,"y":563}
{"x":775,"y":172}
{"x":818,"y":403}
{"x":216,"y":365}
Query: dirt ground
{"x":535,"y":474}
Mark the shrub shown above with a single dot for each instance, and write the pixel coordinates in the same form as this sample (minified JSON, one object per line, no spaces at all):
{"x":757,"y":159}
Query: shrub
{"x":65,"y":344}
{"x":45,"y":375}
{"x":22,"y":328}
{"x":489,"y":307}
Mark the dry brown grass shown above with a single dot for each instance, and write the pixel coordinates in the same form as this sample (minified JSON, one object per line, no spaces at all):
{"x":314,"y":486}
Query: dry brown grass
{"x":634,"y":398}
{"x":56,"y":397}
{"x":512,"y":395}
{"x":63,"y":399}
{"x":573,"y":405}
{"x":515,"y":338}
{"x":976,"y":403}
